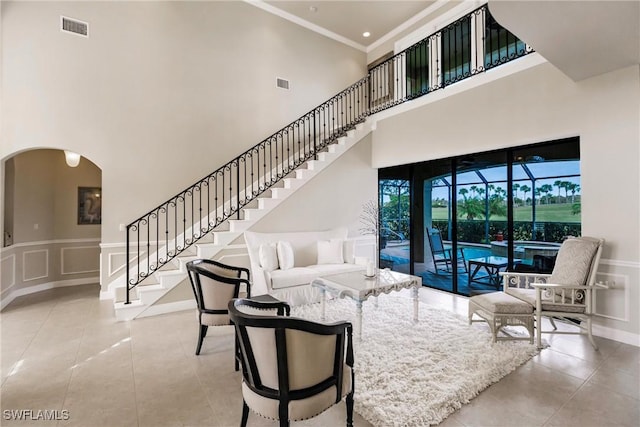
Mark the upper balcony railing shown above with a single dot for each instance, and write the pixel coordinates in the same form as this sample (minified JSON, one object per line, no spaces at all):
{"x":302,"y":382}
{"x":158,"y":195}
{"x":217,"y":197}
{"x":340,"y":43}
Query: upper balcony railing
{"x":468,"y":46}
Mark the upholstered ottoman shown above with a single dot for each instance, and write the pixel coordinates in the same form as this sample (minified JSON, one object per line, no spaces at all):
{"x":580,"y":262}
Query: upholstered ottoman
{"x":499,"y":309}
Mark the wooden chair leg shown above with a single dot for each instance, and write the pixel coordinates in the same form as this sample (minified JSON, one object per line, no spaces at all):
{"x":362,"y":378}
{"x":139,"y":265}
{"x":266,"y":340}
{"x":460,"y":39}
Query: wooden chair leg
{"x":203,"y":333}
{"x":350,"y":409}
{"x":245,"y":414}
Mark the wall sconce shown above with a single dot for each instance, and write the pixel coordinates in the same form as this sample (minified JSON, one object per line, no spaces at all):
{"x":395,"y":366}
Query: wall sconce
{"x":72,"y":159}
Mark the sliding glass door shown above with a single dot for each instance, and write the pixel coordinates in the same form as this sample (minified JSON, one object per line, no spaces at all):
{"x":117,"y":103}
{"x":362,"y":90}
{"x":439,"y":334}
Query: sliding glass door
{"x":459,"y":222}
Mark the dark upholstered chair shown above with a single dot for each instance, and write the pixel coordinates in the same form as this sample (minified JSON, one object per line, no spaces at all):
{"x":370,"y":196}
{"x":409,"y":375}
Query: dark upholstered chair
{"x":293,"y":369}
{"x":214,"y":285}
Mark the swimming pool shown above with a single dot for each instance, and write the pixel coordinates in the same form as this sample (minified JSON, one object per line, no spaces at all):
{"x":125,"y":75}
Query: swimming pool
{"x":400,"y":254}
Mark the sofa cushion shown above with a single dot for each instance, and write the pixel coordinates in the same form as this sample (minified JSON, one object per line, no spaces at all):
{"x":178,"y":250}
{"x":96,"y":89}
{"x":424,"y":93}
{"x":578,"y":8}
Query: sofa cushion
{"x":268,"y":256}
{"x":286,"y":259}
{"x":295,"y":276}
{"x":330,"y":251}
{"x":326,"y":269}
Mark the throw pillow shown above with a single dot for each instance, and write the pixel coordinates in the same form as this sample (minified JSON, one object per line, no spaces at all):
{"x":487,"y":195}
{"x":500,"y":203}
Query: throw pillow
{"x":330,"y":251}
{"x":285,"y":255}
{"x":268,"y":256}
{"x":349,"y":251}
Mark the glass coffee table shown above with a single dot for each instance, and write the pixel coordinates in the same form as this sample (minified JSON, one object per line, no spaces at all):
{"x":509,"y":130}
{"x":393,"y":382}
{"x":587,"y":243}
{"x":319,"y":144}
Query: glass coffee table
{"x":359,"y":288}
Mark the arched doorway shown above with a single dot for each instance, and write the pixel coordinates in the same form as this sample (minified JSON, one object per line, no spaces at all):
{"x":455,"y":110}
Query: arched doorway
{"x":51,"y":223}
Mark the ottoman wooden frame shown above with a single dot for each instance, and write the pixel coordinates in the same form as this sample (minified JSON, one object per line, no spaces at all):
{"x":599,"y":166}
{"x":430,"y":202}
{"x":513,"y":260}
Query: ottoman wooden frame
{"x":499,"y":309}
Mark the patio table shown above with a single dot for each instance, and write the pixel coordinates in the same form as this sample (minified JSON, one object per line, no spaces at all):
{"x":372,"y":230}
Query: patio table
{"x":491,"y":266}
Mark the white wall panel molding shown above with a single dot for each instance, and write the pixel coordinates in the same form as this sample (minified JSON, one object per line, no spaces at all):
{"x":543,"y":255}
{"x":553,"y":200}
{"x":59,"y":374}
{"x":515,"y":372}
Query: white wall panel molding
{"x":69,"y":250}
{"x":116,"y":245}
{"x":614,"y":302}
{"x":51,"y":242}
{"x":620,"y":263}
{"x":29,"y":259}
{"x":8,"y":264}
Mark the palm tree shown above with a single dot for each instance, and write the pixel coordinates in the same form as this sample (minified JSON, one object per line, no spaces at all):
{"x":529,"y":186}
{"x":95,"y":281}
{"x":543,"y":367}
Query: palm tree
{"x":538,"y":192}
{"x":572,"y":187}
{"x":546,"y":189}
{"x":565,"y":187}
{"x":471,"y":207}
{"x":516,"y":187}
{"x":525,"y":189}
{"x":558,"y":184}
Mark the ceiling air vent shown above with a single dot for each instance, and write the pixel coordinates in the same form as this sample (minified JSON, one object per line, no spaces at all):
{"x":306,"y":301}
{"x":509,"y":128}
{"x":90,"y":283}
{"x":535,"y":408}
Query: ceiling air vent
{"x":282,"y":83}
{"x":74,"y":26}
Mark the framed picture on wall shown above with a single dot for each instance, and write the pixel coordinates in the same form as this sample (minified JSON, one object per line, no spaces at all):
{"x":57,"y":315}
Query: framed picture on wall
{"x":89,"y":205}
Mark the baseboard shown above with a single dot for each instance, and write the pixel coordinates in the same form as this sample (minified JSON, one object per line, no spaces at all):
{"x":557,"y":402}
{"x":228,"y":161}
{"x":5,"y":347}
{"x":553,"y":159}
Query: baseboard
{"x":617,"y":335}
{"x":170,"y":307}
{"x":44,"y":287}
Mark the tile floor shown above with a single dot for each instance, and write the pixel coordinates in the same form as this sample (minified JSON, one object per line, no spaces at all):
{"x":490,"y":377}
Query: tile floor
{"x":63,"y":350}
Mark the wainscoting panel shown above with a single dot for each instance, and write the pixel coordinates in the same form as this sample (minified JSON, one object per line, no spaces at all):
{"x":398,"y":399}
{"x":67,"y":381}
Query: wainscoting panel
{"x":613,"y":303}
{"x":35,"y":264}
{"x":8,"y":271}
{"x":79,"y":259}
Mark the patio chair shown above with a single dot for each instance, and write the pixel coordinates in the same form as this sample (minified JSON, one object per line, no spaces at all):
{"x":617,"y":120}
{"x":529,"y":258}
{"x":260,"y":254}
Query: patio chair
{"x":292,"y":369}
{"x":440,"y":254}
{"x":214,"y":284}
{"x":567,"y":293}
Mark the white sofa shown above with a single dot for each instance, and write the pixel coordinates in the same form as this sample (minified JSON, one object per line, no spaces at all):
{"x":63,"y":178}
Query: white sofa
{"x":292,"y":283}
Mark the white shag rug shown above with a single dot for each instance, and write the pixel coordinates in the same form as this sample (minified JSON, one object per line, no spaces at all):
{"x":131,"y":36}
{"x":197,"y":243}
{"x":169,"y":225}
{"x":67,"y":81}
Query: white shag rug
{"x":410,"y":374}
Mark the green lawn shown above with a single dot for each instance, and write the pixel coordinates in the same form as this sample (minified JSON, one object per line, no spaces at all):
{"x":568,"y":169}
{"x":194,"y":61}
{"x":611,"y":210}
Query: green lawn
{"x":544,"y":213}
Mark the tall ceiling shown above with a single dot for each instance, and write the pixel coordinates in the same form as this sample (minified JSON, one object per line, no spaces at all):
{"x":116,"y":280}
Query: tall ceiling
{"x":350,"y":19}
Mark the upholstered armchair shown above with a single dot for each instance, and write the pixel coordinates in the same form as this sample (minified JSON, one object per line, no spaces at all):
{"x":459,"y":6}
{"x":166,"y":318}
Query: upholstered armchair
{"x":293,"y":369}
{"x":215,"y":284}
{"x":566,"y":293}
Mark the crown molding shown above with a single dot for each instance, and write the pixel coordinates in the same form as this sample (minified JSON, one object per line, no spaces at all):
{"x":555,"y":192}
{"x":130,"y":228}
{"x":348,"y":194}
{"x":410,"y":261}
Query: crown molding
{"x":306,"y":24}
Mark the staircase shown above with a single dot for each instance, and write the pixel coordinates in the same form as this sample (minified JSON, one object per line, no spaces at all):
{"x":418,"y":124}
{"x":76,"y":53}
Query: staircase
{"x":160,"y":282}
{"x":211,"y":214}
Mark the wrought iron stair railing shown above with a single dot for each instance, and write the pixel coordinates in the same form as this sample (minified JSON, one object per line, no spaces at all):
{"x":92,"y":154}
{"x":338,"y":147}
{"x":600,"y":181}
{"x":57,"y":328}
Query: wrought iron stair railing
{"x":468,"y":46}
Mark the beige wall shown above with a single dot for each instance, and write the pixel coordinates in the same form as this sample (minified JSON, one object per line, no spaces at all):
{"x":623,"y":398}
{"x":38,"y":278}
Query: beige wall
{"x":541,"y":104}
{"x":332,"y":199}
{"x":161,"y":93}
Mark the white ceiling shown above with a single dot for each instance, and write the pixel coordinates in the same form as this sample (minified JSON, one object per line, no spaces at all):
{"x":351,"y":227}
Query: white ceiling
{"x":349,"y":19}
{"x":581,"y":38}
